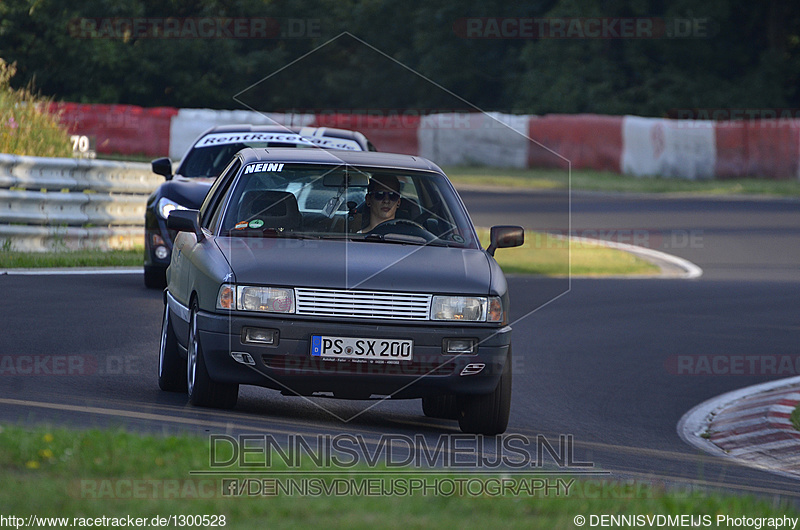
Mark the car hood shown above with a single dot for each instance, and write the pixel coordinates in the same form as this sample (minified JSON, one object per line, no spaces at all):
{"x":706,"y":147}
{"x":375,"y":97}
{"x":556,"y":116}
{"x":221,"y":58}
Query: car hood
{"x":188,"y":192}
{"x":357,"y":265}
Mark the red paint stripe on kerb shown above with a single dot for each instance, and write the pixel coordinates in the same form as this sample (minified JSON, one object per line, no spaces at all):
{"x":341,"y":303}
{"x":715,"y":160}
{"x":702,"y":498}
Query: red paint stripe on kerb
{"x":586,"y":140}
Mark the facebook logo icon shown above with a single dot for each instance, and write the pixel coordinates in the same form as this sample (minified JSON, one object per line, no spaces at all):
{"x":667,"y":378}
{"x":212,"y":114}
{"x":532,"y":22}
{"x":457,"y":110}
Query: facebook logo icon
{"x":230,"y":487}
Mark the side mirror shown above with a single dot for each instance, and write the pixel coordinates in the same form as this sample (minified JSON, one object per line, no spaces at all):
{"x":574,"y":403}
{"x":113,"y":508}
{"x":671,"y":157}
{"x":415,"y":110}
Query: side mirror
{"x":185,"y":221}
{"x":163,"y":167}
{"x":505,"y":237}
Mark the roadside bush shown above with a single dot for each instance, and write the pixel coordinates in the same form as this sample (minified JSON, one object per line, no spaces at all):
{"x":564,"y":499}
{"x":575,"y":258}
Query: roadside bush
{"x":25,"y":127}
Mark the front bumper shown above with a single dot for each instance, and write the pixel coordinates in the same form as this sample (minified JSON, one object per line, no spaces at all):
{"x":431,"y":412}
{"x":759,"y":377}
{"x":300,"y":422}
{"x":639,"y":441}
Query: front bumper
{"x":288,"y":365}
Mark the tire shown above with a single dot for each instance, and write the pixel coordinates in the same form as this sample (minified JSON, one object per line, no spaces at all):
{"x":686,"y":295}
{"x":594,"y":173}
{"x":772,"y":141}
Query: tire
{"x":487,"y":414}
{"x":171,"y":367}
{"x":203,"y":391}
{"x":444,"y":407}
{"x":155,"y":278}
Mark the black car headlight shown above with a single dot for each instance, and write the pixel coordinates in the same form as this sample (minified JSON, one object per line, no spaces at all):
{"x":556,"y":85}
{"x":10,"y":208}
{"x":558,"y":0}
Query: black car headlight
{"x":165,"y":206}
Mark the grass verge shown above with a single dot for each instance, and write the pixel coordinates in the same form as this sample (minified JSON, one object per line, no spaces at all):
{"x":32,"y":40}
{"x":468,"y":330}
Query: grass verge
{"x":112,"y":473}
{"x":144,"y":159}
{"x":551,"y":256}
{"x":590,"y":180}
{"x":541,"y":254}
{"x":10,"y":259}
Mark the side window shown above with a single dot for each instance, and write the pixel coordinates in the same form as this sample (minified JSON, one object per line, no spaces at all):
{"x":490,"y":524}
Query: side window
{"x":209,"y":210}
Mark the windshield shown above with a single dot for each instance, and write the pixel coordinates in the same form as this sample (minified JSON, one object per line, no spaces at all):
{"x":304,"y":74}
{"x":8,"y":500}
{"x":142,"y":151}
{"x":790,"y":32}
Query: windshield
{"x":204,"y":162}
{"x":345,"y":202}
{"x":211,"y":153}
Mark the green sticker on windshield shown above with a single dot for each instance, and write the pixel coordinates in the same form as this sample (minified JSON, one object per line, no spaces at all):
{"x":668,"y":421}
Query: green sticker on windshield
{"x":256,"y":223}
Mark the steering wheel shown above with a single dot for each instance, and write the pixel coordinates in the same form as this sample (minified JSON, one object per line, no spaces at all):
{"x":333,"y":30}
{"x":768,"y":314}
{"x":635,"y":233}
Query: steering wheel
{"x":403,"y":226}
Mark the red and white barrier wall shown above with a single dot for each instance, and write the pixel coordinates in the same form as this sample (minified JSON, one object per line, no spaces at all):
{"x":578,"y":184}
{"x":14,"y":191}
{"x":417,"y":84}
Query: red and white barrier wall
{"x":123,"y":129}
{"x":395,"y":133}
{"x":670,"y":148}
{"x":692,"y":149}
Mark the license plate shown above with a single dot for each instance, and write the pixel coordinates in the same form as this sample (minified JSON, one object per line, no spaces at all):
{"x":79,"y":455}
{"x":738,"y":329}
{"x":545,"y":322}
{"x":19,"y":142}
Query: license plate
{"x":359,"y":348}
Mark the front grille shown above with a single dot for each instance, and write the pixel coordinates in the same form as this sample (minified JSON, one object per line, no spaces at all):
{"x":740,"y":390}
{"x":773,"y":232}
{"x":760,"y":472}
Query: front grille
{"x":363,"y":304}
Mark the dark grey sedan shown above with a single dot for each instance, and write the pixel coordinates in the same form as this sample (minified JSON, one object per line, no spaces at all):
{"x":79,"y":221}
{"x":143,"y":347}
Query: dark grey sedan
{"x":352,"y":275}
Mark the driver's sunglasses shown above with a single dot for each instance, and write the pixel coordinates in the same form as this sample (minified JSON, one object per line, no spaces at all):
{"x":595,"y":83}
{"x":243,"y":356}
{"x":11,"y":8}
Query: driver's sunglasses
{"x":380,"y":195}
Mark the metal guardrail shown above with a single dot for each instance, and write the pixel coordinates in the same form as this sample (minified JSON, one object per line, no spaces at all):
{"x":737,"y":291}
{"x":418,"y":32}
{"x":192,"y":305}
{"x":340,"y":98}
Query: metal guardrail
{"x":64,"y":203}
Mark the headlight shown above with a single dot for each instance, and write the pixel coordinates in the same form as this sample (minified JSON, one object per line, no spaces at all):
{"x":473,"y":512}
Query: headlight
{"x":165,"y":206}
{"x":467,"y":308}
{"x":253,"y":298}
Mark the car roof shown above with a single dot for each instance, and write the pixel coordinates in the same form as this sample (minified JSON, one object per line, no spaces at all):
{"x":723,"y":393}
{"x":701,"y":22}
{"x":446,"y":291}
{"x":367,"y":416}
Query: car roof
{"x":320,"y":156}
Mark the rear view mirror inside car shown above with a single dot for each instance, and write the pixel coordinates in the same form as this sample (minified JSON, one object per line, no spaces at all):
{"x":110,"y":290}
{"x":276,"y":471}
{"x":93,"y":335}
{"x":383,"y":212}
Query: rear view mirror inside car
{"x":342,"y":179}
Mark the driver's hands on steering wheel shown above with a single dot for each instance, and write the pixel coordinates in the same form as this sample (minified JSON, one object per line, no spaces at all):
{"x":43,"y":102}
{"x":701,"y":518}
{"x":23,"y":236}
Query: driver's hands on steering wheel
{"x":405,"y":227}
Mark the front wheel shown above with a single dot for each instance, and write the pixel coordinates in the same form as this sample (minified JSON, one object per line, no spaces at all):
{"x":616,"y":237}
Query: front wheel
{"x":171,"y":367}
{"x":487,"y":414}
{"x":203,"y":391}
{"x":154,"y":277}
{"x":444,"y":407}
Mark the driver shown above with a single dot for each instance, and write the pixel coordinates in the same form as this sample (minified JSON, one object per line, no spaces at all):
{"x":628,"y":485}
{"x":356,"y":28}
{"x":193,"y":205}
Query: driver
{"x":382,"y":200}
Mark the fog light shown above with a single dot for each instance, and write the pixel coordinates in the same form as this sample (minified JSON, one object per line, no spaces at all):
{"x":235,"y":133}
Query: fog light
{"x":473,"y":369}
{"x":243,"y":358}
{"x":162,"y":252}
{"x":259,"y":336}
{"x":459,"y":346}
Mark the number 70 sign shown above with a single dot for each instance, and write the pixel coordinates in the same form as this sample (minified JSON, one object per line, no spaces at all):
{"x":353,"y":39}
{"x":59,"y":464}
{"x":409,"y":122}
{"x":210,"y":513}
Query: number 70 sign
{"x":83,"y":146}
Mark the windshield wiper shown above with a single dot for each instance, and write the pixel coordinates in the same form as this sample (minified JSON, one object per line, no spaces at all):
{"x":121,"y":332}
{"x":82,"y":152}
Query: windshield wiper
{"x":269,"y":232}
{"x":396,"y":238}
